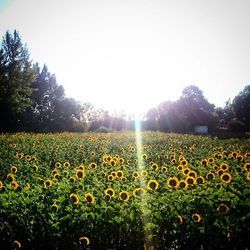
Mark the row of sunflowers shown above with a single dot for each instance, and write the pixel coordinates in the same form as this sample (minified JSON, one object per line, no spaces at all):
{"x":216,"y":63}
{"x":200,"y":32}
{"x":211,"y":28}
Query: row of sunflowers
{"x":113,"y":191}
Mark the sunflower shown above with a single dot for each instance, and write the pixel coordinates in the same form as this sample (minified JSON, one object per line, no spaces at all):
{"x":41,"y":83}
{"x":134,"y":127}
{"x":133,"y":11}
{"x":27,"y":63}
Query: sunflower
{"x":216,"y":168}
{"x":226,"y":177}
{"x":74,"y":198}
{"x":121,"y":160}
{"x":144,"y":157}
{"x":84,"y":240}
{"x":66,"y":164}
{"x":138,"y":192}
{"x":89,"y":198}
{"x":173,"y":161}
{"x":1,"y":185}
{"x":80,"y":174}
{"x":144,"y":173}
{"x":13,"y":169}
{"x":173,"y":182}
{"x":123,"y":178}
{"x":247,"y":155}
{"x":180,"y":168}
{"x":220,"y":172}
{"x":234,"y":154}
{"x":81,"y":146}
{"x":154,"y":166}
{"x":110,"y":192}
{"x":20,"y":155}
{"x":28,"y":157}
{"x":190,"y":180}
{"x":110,"y":177}
{"x":48,"y":183}
{"x":184,"y":162}
{"x":152,"y":185}
{"x":124,"y":195}
{"x":10,"y":177}
{"x":93,"y":165}
{"x":200,"y":180}
{"x":240,"y":158}
{"x":185,"y":171}
{"x":35,"y":167}
{"x":247,"y":166}
{"x":196,"y":217}
{"x":113,"y":162}
{"x":183,"y":184}
{"x":27,"y":186}
{"x":34,"y":158}
{"x":164,"y":169}
{"x":92,"y":154}
{"x":211,"y":160}
{"x":224,"y":167}
{"x":210,"y":176}
{"x":107,"y":197}
{"x":119,"y":173}
{"x":180,"y":219}
{"x":15,"y":184}
{"x":58,"y":164}
{"x":54,"y":172}
{"x":55,"y":207}
{"x":192,"y":174}
{"x":135,"y":174}
{"x":204,"y":162}
{"x":113,"y":173}
{"x":16,"y":245}
{"x":248,"y":176}
{"x":72,"y":179}
{"x":223,"y":208}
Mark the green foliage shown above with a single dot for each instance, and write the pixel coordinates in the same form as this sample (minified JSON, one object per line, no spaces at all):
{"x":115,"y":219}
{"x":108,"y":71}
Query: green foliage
{"x":236,"y":126}
{"x":241,"y":106}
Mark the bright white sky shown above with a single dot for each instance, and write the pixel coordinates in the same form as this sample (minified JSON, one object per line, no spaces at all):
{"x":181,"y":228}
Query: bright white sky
{"x":134,"y":54}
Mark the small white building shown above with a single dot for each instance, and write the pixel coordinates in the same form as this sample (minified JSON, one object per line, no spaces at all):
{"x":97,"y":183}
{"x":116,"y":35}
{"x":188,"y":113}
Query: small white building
{"x":201,"y":129}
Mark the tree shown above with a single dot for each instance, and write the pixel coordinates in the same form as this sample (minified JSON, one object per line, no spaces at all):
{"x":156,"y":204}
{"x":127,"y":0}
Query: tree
{"x":241,"y":106}
{"x":47,"y":94}
{"x":195,"y":108}
{"x":16,"y":77}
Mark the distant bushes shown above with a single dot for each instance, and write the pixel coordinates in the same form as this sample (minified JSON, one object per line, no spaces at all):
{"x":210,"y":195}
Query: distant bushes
{"x":236,"y":126}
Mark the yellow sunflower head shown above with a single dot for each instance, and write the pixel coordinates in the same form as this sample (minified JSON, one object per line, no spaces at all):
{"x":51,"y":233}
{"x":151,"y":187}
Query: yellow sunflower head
{"x":48,"y":183}
{"x":80,"y":174}
{"x":84,"y":241}
{"x":74,"y":198}
{"x":200,"y":180}
{"x":119,"y":173}
{"x":173,"y":182}
{"x":124,"y":196}
{"x":226,"y":177}
{"x":247,"y":166}
{"x":110,"y":191}
{"x":210,"y":176}
{"x":190,"y":180}
{"x":138,"y":192}
{"x":224,"y":167}
{"x":183,"y":184}
{"x":16,"y":244}
{"x":196,"y":217}
{"x":89,"y":199}
{"x":152,"y":185}
{"x":13,"y":169}
{"x":223,"y":208}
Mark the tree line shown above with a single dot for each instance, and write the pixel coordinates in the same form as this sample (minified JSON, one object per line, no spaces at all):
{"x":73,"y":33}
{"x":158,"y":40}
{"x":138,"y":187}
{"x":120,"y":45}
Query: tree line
{"x":32,"y":100}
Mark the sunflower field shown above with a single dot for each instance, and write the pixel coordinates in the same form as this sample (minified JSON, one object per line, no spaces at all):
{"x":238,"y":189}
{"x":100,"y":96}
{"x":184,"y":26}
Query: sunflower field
{"x":122,"y":191}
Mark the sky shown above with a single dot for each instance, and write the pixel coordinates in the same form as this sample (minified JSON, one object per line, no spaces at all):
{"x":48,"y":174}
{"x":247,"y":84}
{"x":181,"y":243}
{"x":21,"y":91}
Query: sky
{"x":132,"y":55}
